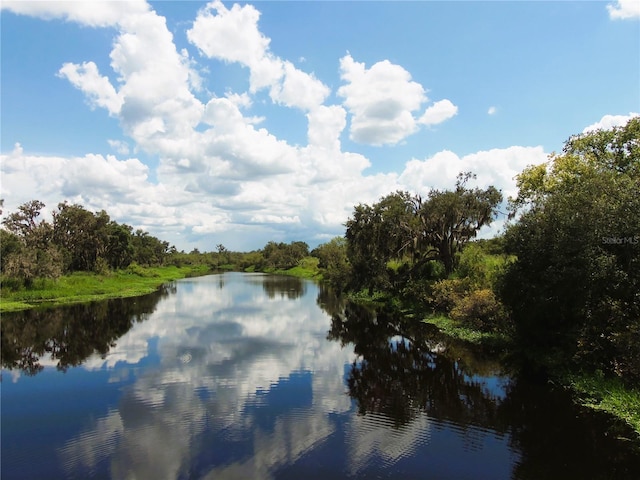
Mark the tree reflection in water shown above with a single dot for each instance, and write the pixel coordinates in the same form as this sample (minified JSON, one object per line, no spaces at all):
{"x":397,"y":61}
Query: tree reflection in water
{"x":72,"y":333}
{"x":283,"y":286}
{"x":329,"y":302}
{"x":404,"y":368}
{"x":399,"y":373}
{"x":560,"y":440}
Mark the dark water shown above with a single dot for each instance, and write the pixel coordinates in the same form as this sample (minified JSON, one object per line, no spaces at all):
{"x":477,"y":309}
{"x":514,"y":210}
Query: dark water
{"x":254,"y":376}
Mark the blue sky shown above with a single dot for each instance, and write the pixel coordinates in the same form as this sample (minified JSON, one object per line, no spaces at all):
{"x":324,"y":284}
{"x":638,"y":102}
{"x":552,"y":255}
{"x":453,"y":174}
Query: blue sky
{"x":243,"y":123}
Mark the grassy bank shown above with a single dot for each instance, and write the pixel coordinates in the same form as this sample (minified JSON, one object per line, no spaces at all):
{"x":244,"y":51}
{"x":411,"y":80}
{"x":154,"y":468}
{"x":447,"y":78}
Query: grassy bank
{"x":453,"y":329}
{"x":86,"y":287}
{"x":306,"y":268}
{"x":610,"y":395}
{"x":134,"y":281}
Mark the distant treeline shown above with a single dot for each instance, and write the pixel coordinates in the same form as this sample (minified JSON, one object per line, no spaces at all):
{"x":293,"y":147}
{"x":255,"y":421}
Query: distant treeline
{"x":77,"y":240}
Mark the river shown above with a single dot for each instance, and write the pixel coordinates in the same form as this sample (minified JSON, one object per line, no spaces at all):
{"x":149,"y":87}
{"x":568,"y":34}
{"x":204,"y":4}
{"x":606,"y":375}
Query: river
{"x":253,"y":376}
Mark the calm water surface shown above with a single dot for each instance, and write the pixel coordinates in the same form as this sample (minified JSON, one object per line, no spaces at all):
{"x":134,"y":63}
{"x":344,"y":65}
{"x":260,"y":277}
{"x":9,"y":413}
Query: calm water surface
{"x":254,"y":376}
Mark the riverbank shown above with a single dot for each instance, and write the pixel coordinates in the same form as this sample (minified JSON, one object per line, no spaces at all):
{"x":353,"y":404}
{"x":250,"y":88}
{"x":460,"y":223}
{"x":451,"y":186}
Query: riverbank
{"x":452,"y":329}
{"x":609,"y":395}
{"x":86,"y":287}
{"x":133,"y":281}
{"x":589,"y":390}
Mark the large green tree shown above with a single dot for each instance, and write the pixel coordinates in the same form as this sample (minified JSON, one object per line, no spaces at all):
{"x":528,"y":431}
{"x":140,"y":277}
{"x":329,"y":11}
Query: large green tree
{"x":449,"y":219}
{"x":119,"y":249}
{"x":25,"y":222}
{"x":76,"y":240}
{"x":377,"y":234}
{"x":149,"y":250}
{"x":332,"y":259}
{"x":81,"y":234}
{"x":575,"y":288}
{"x":282,"y":255}
{"x":416,"y":230}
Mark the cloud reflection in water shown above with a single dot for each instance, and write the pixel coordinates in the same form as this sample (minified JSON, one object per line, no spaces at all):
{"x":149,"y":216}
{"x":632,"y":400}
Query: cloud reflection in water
{"x":224,"y":346}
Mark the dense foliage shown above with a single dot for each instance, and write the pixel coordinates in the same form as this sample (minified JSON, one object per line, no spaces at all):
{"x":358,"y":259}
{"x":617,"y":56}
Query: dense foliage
{"x":415,"y":232}
{"x":75,"y":240}
{"x":282,"y":256}
{"x":574,"y":291}
{"x":333,"y":262}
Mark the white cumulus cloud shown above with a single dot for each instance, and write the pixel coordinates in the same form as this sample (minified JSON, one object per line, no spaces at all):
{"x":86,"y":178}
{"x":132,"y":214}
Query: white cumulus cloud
{"x":609,"y":121}
{"x":152,"y":97}
{"x":119,"y":146}
{"x":497,"y":167}
{"x":97,"y":88}
{"x":232,"y":35}
{"x":229,"y":34}
{"x":325,"y":126}
{"x":439,"y":112}
{"x":299,"y":89}
{"x":93,"y":13}
{"x":382,"y":101}
{"x":624,"y":9}
{"x":222,"y":176}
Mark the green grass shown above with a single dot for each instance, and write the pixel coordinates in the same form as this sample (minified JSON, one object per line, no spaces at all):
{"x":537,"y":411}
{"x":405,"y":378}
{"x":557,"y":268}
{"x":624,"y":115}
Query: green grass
{"x":453,"y":329}
{"x":134,"y":281}
{"x":85,"y":287}
{"x":377,"y":299}
{"x":306,"y":268}
{"x":607,"y":394}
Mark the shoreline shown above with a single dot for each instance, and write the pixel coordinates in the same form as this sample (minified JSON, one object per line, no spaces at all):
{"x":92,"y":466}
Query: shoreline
{"x":83,"y":287}
{"x":89,"y":287}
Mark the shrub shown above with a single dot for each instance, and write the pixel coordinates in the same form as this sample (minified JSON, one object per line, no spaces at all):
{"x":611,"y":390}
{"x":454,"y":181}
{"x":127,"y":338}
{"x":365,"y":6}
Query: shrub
{"x":480,"y":310}
{"x":482,"y":269}
{"x":626,"y":361}
{"x":417,"y":290}
{"x":445,"y":294}
{"x":12,"y":284}
{"x":102,"y":267}
{"x":135,"y":269}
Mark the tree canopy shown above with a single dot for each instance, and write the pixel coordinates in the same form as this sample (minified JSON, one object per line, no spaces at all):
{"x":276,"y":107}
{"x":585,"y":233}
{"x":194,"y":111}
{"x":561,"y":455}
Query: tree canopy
{"x":575,"y":288}
{"x":407,"y":227}
{"x":75,"y":240}
{"x":279,"y":255}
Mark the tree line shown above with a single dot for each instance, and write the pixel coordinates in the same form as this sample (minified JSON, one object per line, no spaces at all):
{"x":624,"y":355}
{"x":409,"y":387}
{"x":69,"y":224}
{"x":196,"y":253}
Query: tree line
{"x":78,"y":240}
{"x":75,"y":240}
